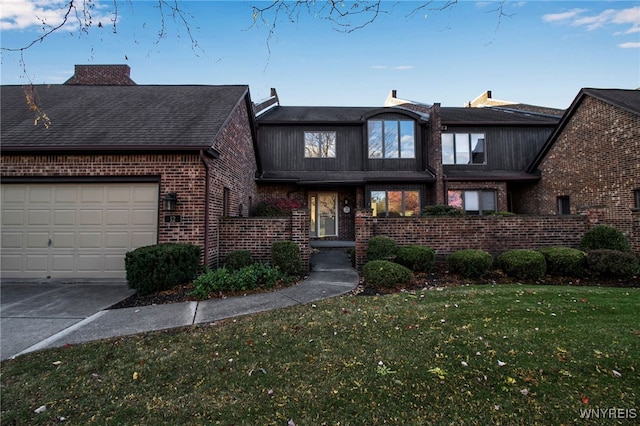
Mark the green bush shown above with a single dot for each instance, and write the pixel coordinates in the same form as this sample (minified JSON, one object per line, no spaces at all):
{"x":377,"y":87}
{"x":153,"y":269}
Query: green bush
{"x":441,"y":210}
{"x":613,"y":263}
{"x":604,"y":237}
{"x":285,"y":255}
{"x":384,"y":274}
{"x":381,"y":248}
{"x":160,"y":267}
{"x":470,"y":263}
{"x":523,"y":264}
{"x":565,"y":261}
{"x":416,"y":258}
{"x":256,"y":275}
{"x":352,"y":257}
{"x":238,"y":259}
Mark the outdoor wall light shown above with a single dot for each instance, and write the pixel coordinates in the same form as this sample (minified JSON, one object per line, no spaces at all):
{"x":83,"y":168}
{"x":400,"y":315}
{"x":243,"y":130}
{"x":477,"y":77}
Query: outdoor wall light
{"x":169,"y":202}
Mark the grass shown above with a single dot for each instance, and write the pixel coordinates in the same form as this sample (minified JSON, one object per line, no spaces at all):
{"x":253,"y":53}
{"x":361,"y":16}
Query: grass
{"x":464,"y":355}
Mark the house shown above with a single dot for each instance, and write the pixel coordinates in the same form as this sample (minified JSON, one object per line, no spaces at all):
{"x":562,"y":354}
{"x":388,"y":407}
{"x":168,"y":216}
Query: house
{"x":119,"y":166}
{"x":337,"y":159}
{"x":591,"y":162}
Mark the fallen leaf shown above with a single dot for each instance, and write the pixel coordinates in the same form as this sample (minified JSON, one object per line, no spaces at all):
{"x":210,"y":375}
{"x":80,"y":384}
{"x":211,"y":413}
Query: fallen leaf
{"x":501,"y":364}
{"x":616,"y":373}
{"x":40,"y":409}
{"x":57,"y":363}
{"x":135,"y":375}
{"x":585,"y":400}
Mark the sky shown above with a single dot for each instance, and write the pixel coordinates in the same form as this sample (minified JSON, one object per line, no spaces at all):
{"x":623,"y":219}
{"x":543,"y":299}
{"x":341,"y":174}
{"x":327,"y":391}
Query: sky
{"x":535,"y":52}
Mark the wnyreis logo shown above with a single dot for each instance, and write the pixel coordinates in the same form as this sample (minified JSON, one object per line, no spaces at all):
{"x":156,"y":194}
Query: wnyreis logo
{"x":608,"y":413}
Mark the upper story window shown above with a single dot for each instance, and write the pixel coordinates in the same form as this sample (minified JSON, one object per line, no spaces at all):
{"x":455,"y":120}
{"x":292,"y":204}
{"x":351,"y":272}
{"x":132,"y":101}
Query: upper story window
{"x":391,"y":139}
{"x":320,"y":144}
{"x":463,"y":148}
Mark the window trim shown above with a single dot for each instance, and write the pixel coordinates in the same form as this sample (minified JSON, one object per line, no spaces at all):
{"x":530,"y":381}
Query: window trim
{"x":563,"y":204}
{"x":480,"y":211}
{"x":469,"y":150}
{"x":315,"y":132}
{"x":403,"y":200}
{"x":398,"y":148}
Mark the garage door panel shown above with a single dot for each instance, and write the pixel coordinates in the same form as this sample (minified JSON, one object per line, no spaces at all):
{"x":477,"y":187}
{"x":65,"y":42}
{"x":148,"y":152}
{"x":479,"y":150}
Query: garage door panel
{"x":12,"y":217}
{"x":75,"y":230}
{"x":64,"y":217}
{"x":40,"y":195}
{"x":63,"y":239}
{"x":38,"y":217}
{"x":37,"y":240}
{"x":118,"y":217}
{"x":11,"y":240}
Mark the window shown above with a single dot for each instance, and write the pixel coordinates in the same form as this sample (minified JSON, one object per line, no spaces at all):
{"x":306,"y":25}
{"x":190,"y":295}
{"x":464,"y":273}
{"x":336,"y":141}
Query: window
{"x":226,"y":199}
{"x":391,"y":139}
{"x":395,"y":203}
{"x":320,"y":144}
{"x":463,"y":148}
{"x":564,"y":206}
{"x":473,"y":202}
{"x":636,"y":194}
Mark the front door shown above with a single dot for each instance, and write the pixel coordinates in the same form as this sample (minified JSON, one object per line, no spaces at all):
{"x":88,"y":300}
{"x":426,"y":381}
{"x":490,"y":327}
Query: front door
{"x":324,"y":217}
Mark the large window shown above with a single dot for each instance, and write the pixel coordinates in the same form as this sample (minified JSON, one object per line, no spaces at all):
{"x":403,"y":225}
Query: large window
{"x":320,"y":144}
{"x":391,"y":139}
{"x":395,"y":203}
{"x":463,"y":148}
{"x":473,"y":202}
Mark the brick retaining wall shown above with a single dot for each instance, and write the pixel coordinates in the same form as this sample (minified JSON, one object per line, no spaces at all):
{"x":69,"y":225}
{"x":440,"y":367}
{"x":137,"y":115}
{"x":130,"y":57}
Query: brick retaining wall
{"x":494,"y":234}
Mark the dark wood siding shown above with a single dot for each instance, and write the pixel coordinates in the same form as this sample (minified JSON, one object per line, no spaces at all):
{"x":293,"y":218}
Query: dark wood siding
{"x":282,"y":148}
{"x":507,"y":148}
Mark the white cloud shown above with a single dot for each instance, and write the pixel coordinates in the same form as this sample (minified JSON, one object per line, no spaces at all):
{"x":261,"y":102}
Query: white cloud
{"x":404,"y":67}
{"x":399,"y":67}
{"x":555,"y":17}
{"x":630,"y":45}
{"x":629,"y":18}
{"x":25,"y":14}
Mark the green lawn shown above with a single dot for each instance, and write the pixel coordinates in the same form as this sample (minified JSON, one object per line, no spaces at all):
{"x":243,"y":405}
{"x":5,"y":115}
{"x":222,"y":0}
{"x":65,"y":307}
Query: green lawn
{"x":463,"y":355}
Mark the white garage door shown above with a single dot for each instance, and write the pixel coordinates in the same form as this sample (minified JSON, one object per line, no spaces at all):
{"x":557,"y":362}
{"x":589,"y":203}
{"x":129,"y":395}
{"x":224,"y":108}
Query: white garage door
{"x":75,"y":230}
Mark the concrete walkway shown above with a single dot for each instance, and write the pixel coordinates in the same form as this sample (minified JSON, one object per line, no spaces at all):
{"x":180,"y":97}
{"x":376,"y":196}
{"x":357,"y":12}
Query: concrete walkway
{"x":331,"y":275}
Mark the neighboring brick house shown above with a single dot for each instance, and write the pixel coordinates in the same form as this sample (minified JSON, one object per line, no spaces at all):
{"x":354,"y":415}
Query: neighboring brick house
{"x":79,"y":194}
{"x":591,"y":162}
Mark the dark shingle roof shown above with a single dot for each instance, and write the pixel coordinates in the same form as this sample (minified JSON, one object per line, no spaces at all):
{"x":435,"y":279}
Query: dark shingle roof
{"x":494,"y":116}
{"x":311,"y":114}
{"x":117,"y":117}
{"x":622,"y":98}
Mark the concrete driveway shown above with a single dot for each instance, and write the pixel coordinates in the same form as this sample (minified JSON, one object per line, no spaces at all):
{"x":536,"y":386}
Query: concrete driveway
{"x":32,"y":311}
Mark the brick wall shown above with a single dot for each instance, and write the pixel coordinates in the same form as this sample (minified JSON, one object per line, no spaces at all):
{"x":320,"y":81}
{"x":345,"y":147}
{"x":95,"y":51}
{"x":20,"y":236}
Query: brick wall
{"x":596,"y":162}
{"x":257,"y":234}
{"x":492,"y":233}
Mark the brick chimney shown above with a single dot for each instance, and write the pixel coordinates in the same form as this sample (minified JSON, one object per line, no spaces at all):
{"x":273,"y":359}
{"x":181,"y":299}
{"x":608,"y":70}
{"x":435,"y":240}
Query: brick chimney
{"x":101,"y":75}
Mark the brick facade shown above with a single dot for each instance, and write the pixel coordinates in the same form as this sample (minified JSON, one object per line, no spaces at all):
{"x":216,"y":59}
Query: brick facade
{"x":257,"y":234}
{"x":595,"y":161}
{"x":493,"y":233}
{"x":200,"y":204}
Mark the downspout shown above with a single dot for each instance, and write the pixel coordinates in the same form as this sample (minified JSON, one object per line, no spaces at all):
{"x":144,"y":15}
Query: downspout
{"x":206,"y":207}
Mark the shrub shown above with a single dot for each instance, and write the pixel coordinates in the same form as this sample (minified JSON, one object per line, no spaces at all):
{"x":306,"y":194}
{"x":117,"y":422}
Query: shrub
{"x":238,"y":259}
{"x":285,"y":255}
{"x":352,"y":257}
{"x":604,"y":237}
{"x":564,"y":261}
{"x":381,"y":274}
{"x":277,"y":207}
{"x":416,"y":258}
{"x":160,"y":267}
{"x":613,"y":262}
{"x":256,"y":275}
{"x":470,"y":263}
{"x":523,"y":264}
{"x":441,"y":210}
{"x":381,"y":248}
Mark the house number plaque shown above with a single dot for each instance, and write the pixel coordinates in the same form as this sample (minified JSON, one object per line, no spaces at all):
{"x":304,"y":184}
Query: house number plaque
{"x":173,"y":218}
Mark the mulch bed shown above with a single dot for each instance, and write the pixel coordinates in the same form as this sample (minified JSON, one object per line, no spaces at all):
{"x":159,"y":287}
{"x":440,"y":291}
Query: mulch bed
{"x":439,"y":277}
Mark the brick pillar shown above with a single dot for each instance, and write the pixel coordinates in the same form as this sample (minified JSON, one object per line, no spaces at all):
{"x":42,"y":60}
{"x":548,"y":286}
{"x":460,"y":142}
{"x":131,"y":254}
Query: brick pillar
{"x":300,"y":221}
{"x":364,"y":231}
